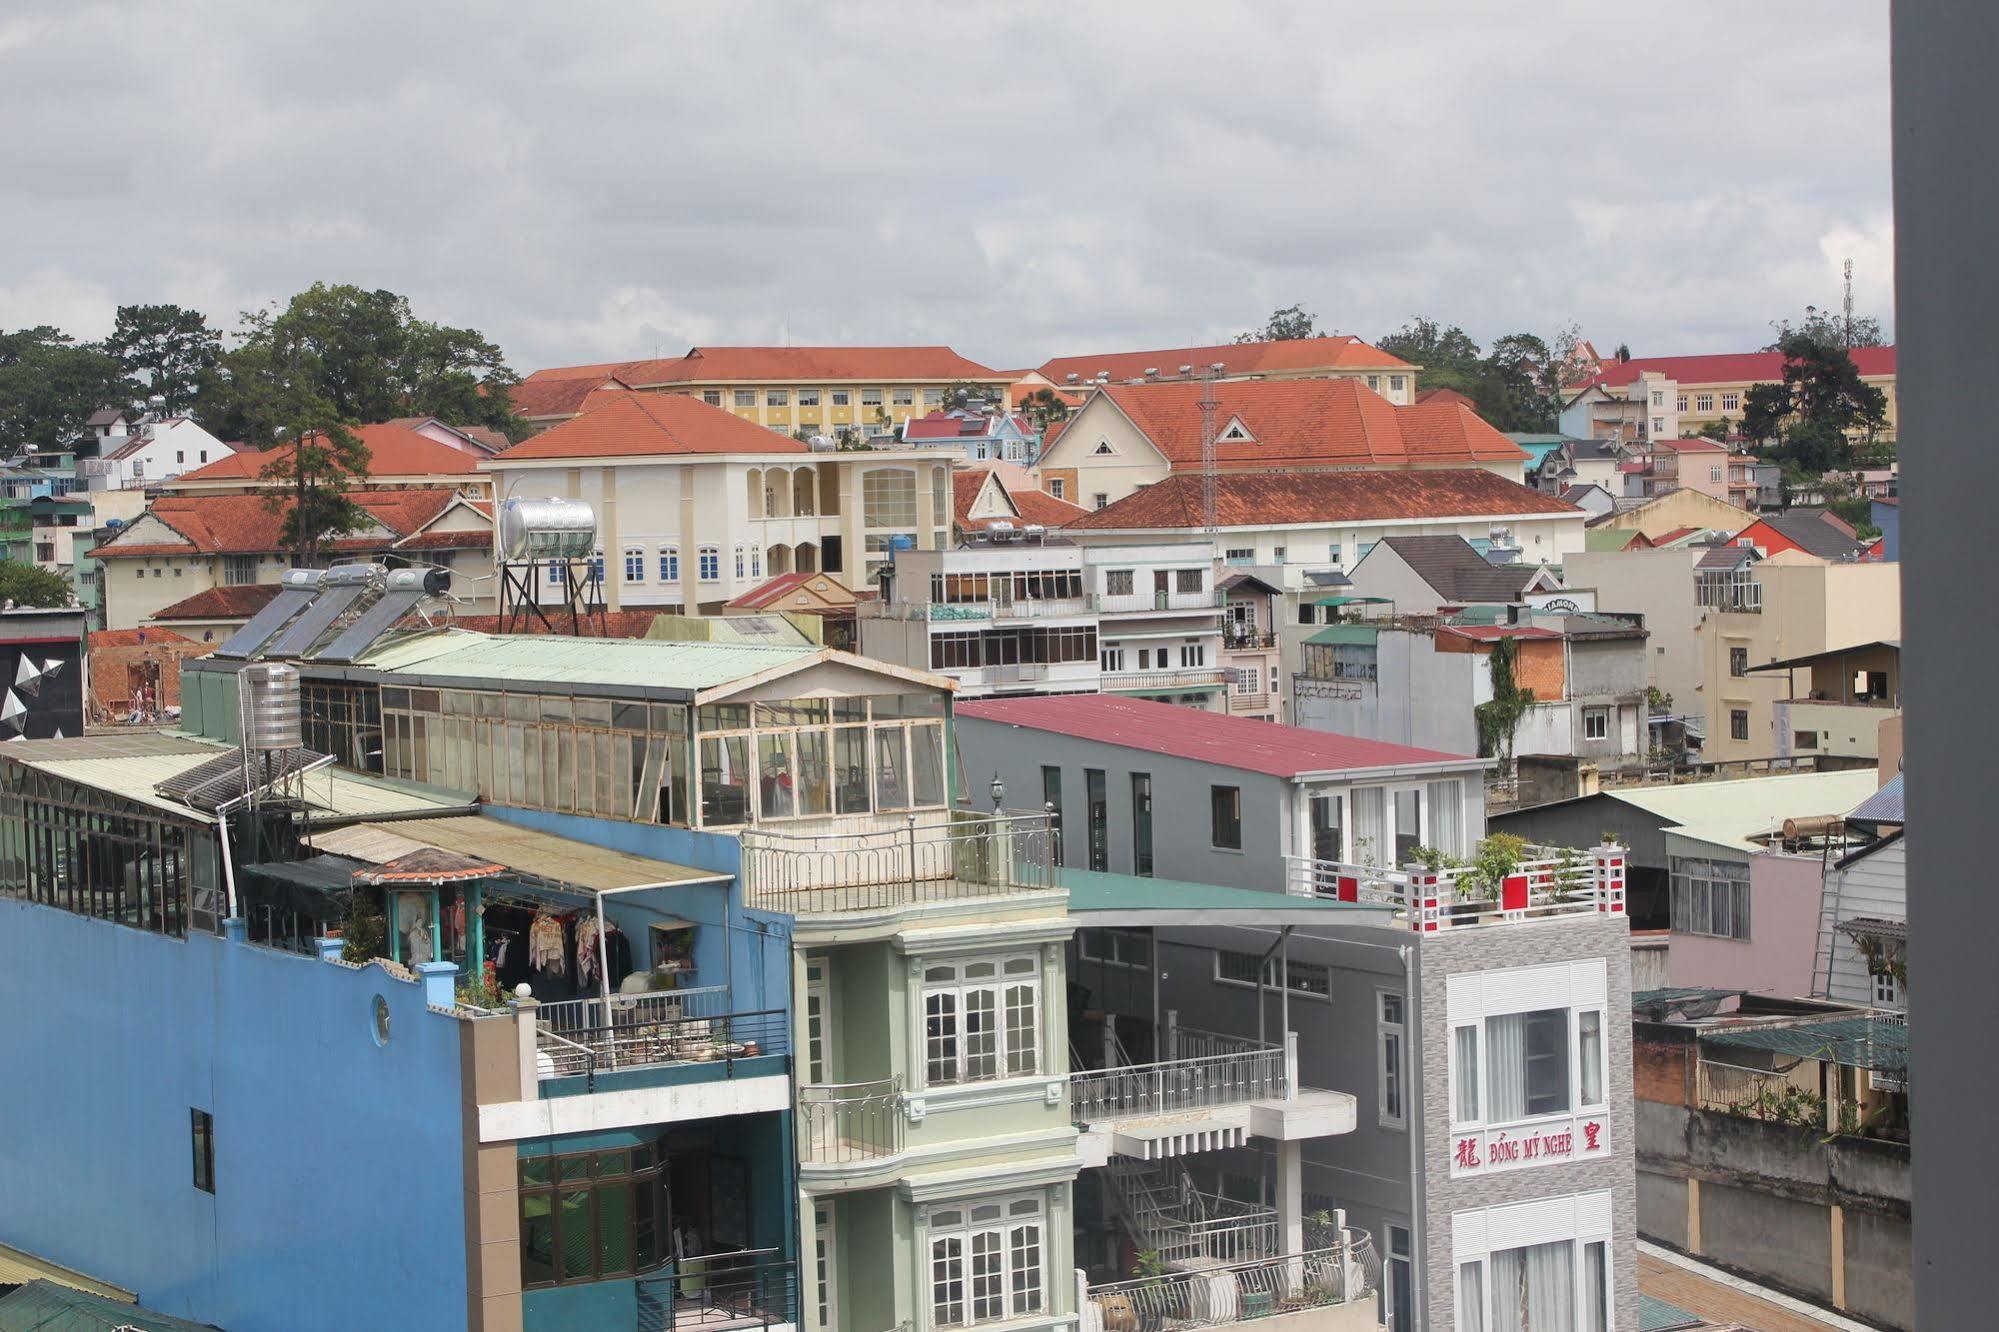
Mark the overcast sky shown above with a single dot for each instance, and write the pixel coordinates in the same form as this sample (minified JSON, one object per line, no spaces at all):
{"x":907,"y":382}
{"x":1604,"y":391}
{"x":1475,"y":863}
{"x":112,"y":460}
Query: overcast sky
{"x":602,"y":181}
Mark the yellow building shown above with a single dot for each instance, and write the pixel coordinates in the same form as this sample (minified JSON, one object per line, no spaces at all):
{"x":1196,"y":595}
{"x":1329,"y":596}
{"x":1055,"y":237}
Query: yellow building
{"x":1707,"y":393}
{"x":818,"y":390}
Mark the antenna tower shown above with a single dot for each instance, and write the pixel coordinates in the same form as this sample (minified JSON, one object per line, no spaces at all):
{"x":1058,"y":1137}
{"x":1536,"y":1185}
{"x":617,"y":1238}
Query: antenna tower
{"x":1209,"y":374}
{"x":1849,"y":305}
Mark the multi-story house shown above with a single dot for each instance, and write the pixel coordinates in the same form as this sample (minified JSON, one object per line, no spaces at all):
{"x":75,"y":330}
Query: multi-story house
{"x":1252,"y":612}
{"x":865,"y":392}
{"x":1129,"y":436}
{"x":1838,"y":707}
{"x":1425,"y":575}
{"x":696,"y":506}
{"x":1694,"y":464}
{"x":984,"y":436}
{"x":1340,"y":356}
{"x":1482,"y":1026}
{"x":1581,"y":462}
{"x":1634,"y":409}
{"x":1025,"y":611}
{"x":1707,"y":393}
{"x":1817,"y":532}
{"x":1757,"y":612}
{"x":155,"y":448}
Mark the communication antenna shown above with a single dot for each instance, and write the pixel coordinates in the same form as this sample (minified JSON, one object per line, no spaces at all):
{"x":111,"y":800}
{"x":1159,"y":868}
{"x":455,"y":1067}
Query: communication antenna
{"x":1209,"y":374}
{"x":1849,"y":305}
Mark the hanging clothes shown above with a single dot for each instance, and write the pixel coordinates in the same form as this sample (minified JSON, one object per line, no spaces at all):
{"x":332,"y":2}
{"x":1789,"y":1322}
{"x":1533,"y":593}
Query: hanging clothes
{"x":586,"y":951}
{"x":546,"y":946}
{"x":618,"y":956}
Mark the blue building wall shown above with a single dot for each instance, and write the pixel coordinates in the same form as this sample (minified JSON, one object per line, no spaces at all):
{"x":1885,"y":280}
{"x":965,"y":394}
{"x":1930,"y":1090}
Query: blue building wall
{"x":339,"y":1162}
{"x":1888,"y":517}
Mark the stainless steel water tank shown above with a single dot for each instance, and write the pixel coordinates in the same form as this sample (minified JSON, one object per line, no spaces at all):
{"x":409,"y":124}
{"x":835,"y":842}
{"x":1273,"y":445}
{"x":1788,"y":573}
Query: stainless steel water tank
{"x":544,"y":529}
{"x":270,"y":706}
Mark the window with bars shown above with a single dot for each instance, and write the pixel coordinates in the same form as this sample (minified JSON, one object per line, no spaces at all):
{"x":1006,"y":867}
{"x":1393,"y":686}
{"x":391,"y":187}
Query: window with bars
{"x":1307,"y":978}
{"x":981,"y":1019}
{"x":987,"y":1261}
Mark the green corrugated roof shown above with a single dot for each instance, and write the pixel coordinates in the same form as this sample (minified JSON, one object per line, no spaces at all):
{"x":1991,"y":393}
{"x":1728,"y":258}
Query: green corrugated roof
{"x":1729,"y":814}
{"x":1655,"y":1315}
{"x":1351,"y":599}
{"x":43,"y":1306}
{"x":1857,"y":1042}
{"x":1361,"y":634}
{"x":555,"y":659}
{"x":1094,"y":893}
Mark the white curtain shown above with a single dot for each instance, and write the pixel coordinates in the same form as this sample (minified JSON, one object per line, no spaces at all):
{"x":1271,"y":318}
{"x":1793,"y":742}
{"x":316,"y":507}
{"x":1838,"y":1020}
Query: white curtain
{"x":1447,"y":816}
{"x":1471,"y":1298}
{"x":1370,"y":828}
{"x":1506,"y":1067}
{"x":1466,"y":1038}
{"x":1596,"y":1287}
{"x":1590,"y":1033}
{"x":1534,"y":1289}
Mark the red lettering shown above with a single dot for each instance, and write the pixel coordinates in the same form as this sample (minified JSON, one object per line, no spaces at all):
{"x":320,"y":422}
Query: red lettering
{"x":1467,"y":1153}
{"x":1591,"y":1132}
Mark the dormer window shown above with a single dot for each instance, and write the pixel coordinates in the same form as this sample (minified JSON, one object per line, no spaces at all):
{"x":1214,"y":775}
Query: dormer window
{"x":1103,"y":449}
{"x":1235,"y":433}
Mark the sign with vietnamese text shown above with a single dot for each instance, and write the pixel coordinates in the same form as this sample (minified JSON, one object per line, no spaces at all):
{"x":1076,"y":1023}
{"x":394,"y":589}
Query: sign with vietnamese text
{"x":1519,"y":1146}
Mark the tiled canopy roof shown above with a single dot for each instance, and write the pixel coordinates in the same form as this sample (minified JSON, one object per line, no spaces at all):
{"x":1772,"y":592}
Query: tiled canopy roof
{"x":631,"y":425}
{"x":393,"y":450}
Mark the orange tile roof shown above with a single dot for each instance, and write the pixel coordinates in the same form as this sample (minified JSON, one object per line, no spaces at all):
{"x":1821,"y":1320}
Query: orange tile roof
{"x":393,"y":450}
{"x":122,"y":638}
{"x":773,"y":590}
{"x":1265,"y":498}
{"x":559,"y":395}
{"x":1340,"y":352}
{"x":1022,"y":392}
{"x":634,"y":425}
{"x":237,"y":602}
{"x":1034,"y":506}
{"x":1308,"y":422}
{"x":247,"y":524}
{"x":706,"y":365}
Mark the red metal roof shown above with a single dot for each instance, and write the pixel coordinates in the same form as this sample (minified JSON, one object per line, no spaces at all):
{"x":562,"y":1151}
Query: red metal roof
{"x":709,"y":365}
{"x":1207,"y":737}
{"x":1343,"y":351}
{"x":1732,"y":367}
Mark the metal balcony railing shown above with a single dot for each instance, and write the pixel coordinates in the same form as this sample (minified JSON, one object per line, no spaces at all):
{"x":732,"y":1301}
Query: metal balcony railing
{"x":748,"y":1289}
{"x":640,"y":1041}
{"x":1183,"y":678}
{"x":1218,"y":1077}
{"x":564,"y":1016}
{"x":850,"y":1123}
{"x":1238,"y":1292}
{"x":1243,"y":640}
{"x":1545,"y":883}
{"x":1152,"y":599}
{"x":971,"y":855}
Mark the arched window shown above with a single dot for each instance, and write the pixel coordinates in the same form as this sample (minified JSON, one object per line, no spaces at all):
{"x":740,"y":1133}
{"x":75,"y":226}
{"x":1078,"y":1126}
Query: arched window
{"x":742,"y":564}
{"x":808,"y":557}
{"x":777,"y":493}
{"x":710,"y":568}
{"x":780,"y":560}
{"x":669,"y":564}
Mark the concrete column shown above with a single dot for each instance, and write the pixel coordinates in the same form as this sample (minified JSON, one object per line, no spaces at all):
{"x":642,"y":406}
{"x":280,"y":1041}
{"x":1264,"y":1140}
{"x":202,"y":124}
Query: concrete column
{"x":607,"y":532}
{"x":690,"y":558}
{"x":1694,"y":1217}
{"x":440,"y":983}
{"x":526,"y":1020}
{"x":1301,"y":840}
{"x":853,"y":551}
{"x":1837,"y":1239}
{"x":926,"y":508}
{"x":1291,"y":1196}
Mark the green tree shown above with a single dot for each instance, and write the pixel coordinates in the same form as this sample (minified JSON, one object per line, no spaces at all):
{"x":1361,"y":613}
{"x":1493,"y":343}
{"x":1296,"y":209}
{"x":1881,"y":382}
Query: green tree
{"x":26,"y":584}
{"x":312,"y":455}
{"x":1044,"y":407}
{"x":1831,"y":331}
{"x":167,"y":348}
{"x":50,"y":384}
{"x":1448,"y":355}
{"x":1764,"y":410}
{"x":1519,"y":385}
{"x":1285,"y":325}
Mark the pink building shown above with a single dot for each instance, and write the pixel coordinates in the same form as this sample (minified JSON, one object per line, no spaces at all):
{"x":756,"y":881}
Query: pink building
{"x":1776,"y":959}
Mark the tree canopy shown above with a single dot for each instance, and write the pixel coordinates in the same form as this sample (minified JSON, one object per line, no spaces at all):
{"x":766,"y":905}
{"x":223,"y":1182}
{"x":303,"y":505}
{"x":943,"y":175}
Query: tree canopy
{"x":1285,"y":325}
{"x":51,"y":384}
{"x":1809,"y":420}
{"x":1515,"y":386}
{"x":168,"y":349}
{"x":1829,"y":330}
{"x":27,"y":584}
{"x":1044,"y":407}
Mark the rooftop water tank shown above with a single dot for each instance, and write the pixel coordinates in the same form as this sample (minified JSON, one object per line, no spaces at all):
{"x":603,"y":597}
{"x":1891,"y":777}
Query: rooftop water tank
{"x":547,"y":529}
{"x":270,"y":706}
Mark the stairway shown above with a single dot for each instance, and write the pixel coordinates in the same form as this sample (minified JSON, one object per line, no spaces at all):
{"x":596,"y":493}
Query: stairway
{"x":1164,"y":1213}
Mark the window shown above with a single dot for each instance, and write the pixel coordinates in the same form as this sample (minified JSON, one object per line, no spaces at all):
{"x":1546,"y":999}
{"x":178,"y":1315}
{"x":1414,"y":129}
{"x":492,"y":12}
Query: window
{"x":713,"y":397}
{"x":1225,"y":817}
{"x":1804,"y":739}
{"x":1390,"y":1035}
{"x":1738,"y":723}
{"x":1193,"y":654}
{"x":777,"y":397}
{"x":1680,"y":403}
{"x":1103,"y":449}
{"x":635,"y":564}
{"x":1116,"y":948}
{"x":1100,"y":500}
{"x":1051,"y":800}
{"x":987,"y":1261}
{"x":1097,"y":805}
{"x":742,"y":562}
{"x":842,"y":397}
{"x":933,"y":397}
{"x":180,"y":455}
{"x":1738,"y":664}
{"x":808,"y":397}
{"x":756,"y":561}
{"x":711,"y":564}
{"x":1141,"y":823}
{"x":746,"y":397}
{"x":1111,"y":659}
{"x":1731,"y":402}
{"x":1374,"y":382}
{"x":1710,"y":897}
{"x":1395,"y":382}
{"x":981,"y":1019}
{"x":825,"y":1261}
{"x":1714,"y":473}
{"x":1658,"y":425}
{"x":1187,"y":581}
{"x":1658,"y":398}
{"x":597,"y":565}
{"x":1596,"y":723}
{"x":871,"y":397}
{"x":903,"y":397}
{"x":1240,"y":555}
{"x":1308,"y":978}
{"x":1886,"y":993}
{"x":1057,"y":487}
{"x":239,"y":569}
{"x":587,"y":1216}
{"x":203,"y":1128}
{"x":1703,"y":402}
{"x":1118,"y":583}
{"x":669,"y":564}
{"x":1401,"y":1293}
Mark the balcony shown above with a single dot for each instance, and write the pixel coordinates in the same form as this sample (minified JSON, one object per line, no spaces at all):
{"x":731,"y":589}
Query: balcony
{"x":850,"y":1124}
{"x":1189,"y":677}
{"x":1215,"y":1070}
{"x":649,"y":1031}
{"x":980,"y":612}
{"x":1132,"y":603}
{"x":1251,"y":703}
{"x":1330,"y":1289}
{"x":1545,"y":883}
{"x":1248,"y":640}
{"x":967,"y":857}
{"x":754,"y":1288}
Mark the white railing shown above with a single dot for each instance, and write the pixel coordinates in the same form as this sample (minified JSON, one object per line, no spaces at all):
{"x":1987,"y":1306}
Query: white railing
{"x":1546,"y":882}
{"x":652,"y":1042}
{"x":1183,"y":678}
{"x":1259,"y":1073}
{"x":630,"y":1010}
{"x":1127,"y":602}
{"x":973,"y":855}
{"x":850,"y":1123}
{"x":1237,"y":1292}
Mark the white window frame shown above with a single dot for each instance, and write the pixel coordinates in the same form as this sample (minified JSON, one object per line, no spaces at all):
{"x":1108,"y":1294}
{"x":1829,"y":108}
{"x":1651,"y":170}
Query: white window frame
{"x":1601,"y":717}
{"x":842,"y":397}
{"x":1704,"y":402}
{"x":902,"y":397}
{"x":669,"y":564}
{"x":1103,"y":449}
{"x":1391,"y":1036}
{"x":745,"y":398}
{"x":948,"y":984}
{"x":1056,"y":485}
{"x":826,"y":1255}
{"x":1731,"y":402}
{"x":777,"y":397}
{"x":1580,"y":1246}
{"x":808,"y":397}
{"x":710,"y":568}
{"x":635,"y":564}
{"x":1886,"y":993}
{"x":963,"y":1223}
{"x":818,"y":1019}
{"x":713,"y":397}
{"x":1481,"y":1109}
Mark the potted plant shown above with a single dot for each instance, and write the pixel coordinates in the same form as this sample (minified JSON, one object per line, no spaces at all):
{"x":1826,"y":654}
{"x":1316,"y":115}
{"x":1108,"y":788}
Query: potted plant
{"x":1496,"y":859}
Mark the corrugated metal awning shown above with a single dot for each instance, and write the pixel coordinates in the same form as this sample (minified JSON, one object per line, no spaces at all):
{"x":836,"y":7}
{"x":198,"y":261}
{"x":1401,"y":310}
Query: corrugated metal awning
{"x":524,"y":850}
